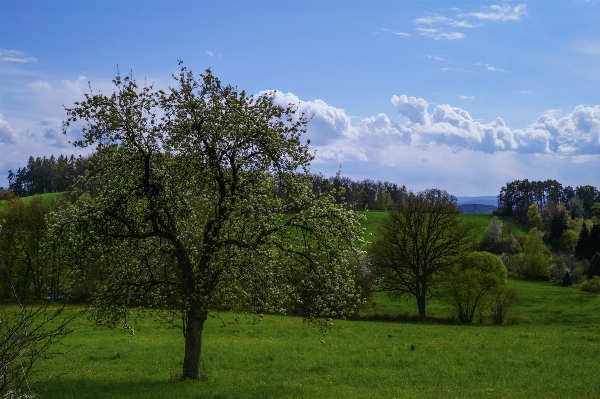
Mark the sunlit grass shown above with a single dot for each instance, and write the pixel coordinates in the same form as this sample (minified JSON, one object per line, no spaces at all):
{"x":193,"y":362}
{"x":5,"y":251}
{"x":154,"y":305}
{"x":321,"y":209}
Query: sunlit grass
{"x":551,"y":353}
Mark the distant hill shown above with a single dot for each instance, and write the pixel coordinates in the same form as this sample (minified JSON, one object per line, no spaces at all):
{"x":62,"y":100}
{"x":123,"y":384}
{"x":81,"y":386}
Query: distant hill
{"x":476,"y":209}
{"x":484,"y":200}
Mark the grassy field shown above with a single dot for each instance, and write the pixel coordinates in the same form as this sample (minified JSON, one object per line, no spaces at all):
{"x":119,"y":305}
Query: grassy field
{"x":47,"y":198}
{"x":552,"y":353}
{"x":480,"y":222}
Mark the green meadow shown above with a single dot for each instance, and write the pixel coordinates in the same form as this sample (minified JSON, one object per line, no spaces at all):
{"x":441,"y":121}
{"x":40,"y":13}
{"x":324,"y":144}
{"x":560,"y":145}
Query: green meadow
{"x":551,"y":351}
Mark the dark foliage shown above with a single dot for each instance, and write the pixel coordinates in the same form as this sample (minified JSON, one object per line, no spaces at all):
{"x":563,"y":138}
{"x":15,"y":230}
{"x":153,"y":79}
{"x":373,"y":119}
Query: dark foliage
{"x":46,"y":175}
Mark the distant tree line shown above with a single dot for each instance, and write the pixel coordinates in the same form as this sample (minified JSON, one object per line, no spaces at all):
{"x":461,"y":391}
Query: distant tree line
{"x":47,"y":175}
{"x":517,"y":196}
{"x":367,"y":193}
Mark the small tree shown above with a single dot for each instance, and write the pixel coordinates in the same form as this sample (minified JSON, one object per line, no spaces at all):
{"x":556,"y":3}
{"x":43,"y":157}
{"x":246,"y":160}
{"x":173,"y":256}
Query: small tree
{"x":471,"y":282}
{"x":503,"y":299}
{"x":420,"y":237}
{"x":534,"y":216}
{"x":537,"y":256}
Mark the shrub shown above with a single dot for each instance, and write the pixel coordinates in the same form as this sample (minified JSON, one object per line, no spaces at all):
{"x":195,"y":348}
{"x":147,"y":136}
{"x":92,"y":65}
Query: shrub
{"x":592,"y":285}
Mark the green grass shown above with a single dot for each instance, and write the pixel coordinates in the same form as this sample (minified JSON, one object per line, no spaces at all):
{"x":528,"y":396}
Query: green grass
{"x":49,"y":197}
{"x":480,"y":223}
{"x":552,"y":353}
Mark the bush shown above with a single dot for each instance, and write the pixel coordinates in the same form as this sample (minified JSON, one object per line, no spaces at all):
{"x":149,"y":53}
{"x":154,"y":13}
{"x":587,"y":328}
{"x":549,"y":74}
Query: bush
{"x":578,"y":272}
{"x":592,"y":285}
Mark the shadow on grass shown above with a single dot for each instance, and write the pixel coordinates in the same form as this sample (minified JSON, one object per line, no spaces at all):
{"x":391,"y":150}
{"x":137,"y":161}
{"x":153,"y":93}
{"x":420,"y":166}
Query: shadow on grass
{"x":406,"y":318}
{"x":169,"y":388}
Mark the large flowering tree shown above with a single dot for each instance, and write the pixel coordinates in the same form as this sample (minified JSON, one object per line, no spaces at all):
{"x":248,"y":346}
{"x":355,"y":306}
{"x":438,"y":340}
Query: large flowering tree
{"x":199,"y":197}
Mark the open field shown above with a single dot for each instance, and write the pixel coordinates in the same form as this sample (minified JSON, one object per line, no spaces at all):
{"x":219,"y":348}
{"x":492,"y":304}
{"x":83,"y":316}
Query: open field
{"x":552,"y":353}
{"x":480,"y":222}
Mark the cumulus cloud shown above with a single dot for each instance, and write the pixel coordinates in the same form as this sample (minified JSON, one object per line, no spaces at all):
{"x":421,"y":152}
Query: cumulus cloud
{"x":15,"y":56}
{"x":8,"y":135}
{"x":502,"y":13}
{"x":335,"y":137}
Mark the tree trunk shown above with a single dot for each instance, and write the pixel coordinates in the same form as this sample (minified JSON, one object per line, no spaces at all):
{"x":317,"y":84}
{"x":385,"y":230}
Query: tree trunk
{"x":193,"y":344}
{"x":422,"y":294}
{"x":421,"y":305}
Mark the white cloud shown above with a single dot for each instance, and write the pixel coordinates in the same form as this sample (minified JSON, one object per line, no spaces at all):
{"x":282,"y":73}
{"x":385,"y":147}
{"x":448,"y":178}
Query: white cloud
{"x":387,"y":31}
{"x":438,"y":34}
{"x":502,"y":13}
{"x":435,"y":57}
{"x":440,"y":19}
{"x":451,"y":70}
{"x":463,"y":97}
{"x":490,"y":68}
{"x":15,"y":56}
{"x":335,"y":137}
{"x":210,"y":53}
{"x":8,"y":135}
{"x":522,"y":92}
{"x":39,"y":85}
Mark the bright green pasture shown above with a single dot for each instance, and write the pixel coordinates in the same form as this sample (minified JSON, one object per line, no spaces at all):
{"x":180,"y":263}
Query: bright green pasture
{"x":480,"y":223}
{"x":552,"y":353}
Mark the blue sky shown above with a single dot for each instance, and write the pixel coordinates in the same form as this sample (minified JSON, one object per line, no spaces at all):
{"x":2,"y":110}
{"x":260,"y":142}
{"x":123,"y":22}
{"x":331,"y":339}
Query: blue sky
{"x":463,"y":96}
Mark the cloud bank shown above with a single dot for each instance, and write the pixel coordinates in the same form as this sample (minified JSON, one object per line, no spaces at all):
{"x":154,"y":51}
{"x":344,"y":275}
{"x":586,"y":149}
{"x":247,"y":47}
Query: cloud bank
{"x":331,"y":131}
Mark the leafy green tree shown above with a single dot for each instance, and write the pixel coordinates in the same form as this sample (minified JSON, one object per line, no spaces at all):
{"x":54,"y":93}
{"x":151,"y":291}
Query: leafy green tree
{"x":22,"y":233}
{"x":534,"y":216}
{"x":471,"y":282}
{"x":384,"y":198}
{"x":537,"y":256}
{"x":568,"y":241}
{"x":420,"y":238}
{"x":190,"y":193}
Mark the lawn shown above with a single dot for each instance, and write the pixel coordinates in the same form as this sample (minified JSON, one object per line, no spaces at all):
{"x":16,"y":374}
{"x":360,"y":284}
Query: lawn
{"x":551,"y":353}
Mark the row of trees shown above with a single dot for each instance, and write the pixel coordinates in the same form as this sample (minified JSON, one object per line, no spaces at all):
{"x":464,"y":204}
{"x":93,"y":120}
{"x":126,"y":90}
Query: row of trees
{"x":517,"y":196}
{"x":47,"y":175}
{"x":365,"y":194}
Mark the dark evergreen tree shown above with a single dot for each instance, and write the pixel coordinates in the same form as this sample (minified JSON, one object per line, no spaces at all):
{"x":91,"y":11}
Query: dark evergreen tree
{"x":583,"y":243}
{"x":594,"y":267}
{"x":567,"y":280}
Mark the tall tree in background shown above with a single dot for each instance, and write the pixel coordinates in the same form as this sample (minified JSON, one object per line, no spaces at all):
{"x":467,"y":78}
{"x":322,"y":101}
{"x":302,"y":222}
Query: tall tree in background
{"x":420,"y":238}
{"x":184,"y":208}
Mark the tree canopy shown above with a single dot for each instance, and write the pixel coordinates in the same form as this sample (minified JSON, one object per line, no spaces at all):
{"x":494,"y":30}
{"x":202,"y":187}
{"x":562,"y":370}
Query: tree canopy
{"x":190,"y":193}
